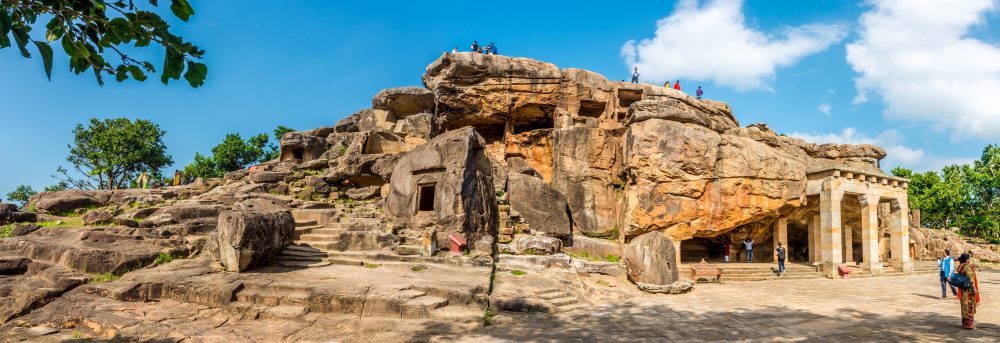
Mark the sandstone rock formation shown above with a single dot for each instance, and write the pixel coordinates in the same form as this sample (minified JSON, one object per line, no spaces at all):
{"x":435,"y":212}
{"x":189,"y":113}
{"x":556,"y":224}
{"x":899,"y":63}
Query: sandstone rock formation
{"x":244,"y":239}
{"x":650,"y":259}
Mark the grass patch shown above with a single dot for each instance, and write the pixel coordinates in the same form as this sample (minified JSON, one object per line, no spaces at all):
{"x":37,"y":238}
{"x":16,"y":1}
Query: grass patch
{"x":105,"y":277}
{"x":612,"y":258}
{"x":6,"y":231}
{"x":372,"y":265}
{"x":163,"y":258}
{"x":995,"y":241}
{"x":610,"y":235}
{"x":418,"y":268}
{"x":516,"y":272}
{"x":77,"y":334}
{"x":65,"y":222}
{"x":488,"y":317}
{"x":603,"y":283}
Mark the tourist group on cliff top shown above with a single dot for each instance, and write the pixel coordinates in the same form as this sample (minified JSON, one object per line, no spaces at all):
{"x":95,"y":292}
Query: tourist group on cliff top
{"x":677,"y":84}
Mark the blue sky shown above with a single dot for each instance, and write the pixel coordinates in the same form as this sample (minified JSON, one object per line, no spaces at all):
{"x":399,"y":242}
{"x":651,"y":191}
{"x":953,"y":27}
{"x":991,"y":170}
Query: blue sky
{"x":306,"y":64}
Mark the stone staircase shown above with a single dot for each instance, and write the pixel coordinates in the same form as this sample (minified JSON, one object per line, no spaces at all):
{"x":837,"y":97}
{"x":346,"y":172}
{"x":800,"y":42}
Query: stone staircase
{"x":321,"y":234}
{"x":736,"y":271}
{"x":560,"y":301}
{"x":270,"y":301}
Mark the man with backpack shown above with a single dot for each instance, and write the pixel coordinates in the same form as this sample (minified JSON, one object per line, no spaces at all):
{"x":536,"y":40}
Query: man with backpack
{"x":946,"y":268}
{"x":780,"y":253}
{"x":475,"y":47}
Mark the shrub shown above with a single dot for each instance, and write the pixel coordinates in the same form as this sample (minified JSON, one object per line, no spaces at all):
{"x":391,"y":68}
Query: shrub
{"x":516,"y":272}
{"x":372,"y":265}
{"x":105,"y":277}
{"x":488,"y":317}
{"x":612,"y":258}
{"x":5,"y":231}
{"x":163,"y":258}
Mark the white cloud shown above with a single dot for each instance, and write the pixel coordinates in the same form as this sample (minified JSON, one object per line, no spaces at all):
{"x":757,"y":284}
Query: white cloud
{"x":711,"y":41}
{"x":897,"y":154}
{"x":918,"y":56}
{"x":824,"y":108}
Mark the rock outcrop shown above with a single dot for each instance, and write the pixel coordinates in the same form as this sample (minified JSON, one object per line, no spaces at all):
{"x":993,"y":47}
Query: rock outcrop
{"x":651,"y":259}
{"x":244,"y":239}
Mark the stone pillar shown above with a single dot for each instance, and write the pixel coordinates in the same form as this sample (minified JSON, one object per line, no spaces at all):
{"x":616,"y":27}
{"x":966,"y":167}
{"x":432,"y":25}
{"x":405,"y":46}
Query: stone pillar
{"x":814,"y":249}
{"x":899,"y":235}
{"x":780,"y":234}
{"x":677,"y":253}
{"x":848,"y":244}
{"x":830,"y":227}
{"x":869,"y":234}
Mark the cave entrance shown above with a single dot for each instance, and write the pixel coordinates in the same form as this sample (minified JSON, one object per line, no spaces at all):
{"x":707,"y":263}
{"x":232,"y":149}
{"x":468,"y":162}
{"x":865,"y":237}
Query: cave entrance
{"x":627,"y":96}
{"x":798,"y":243}
{"x":695,"y":249}
{"x":593,"y":109}
{"x":298,"y":153}
{"x":425,"y":197}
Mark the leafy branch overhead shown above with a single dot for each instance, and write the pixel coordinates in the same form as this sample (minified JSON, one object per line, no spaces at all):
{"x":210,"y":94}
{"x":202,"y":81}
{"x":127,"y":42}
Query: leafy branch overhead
{"x":95,"y":33}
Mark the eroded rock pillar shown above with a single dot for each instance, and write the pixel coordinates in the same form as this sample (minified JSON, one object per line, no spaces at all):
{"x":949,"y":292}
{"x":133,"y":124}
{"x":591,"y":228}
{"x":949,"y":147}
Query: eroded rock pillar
{"x":869,"y":234}
{"x":780,"y":235}
{"x":830,"y":227}
{"x":899,"y":235}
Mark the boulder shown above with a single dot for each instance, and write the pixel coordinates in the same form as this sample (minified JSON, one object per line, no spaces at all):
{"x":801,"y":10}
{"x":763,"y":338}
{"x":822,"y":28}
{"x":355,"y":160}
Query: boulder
{"x":535,"y":245}
{"x":678,"y":287}
{"x":404,"y":101}
{"x":23,"y":229}
{"x":244,"y":239}
{"x":302,"y":146}
{"x":267,"y":177}
{"x":541,"y":206}
{"x":683,"y":110}
{"x":93,"y":250}
{"x":449,"y":181}
{"x":650,"y":259}
{"x":64,"y":201}
{"x":417,"y":125}
{"x":363,"y":193}
{"x":98,"y":217}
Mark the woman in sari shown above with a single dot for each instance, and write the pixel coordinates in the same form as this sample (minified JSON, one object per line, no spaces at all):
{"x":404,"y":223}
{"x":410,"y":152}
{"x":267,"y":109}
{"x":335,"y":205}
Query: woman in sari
{"x":968,"y":297}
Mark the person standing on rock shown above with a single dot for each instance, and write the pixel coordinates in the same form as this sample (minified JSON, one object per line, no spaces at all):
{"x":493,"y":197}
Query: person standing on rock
{"x":635,"y":75}
{"x":143,"y":180}
{"x":178,"y":177}
{"x":748,"y":245}
{"x":677,"y":85}
{"x":968,"y":297}
{"x":947,"y":268}
{"x":475,"y":47}
{"x":780,"y":253}
{"x":699,"y":92}
{"x":454,"y":50}
{"x":492,"y":48}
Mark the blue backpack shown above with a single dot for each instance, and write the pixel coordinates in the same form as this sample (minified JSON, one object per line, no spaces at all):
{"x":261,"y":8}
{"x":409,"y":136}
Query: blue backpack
{"x":960,"y":281}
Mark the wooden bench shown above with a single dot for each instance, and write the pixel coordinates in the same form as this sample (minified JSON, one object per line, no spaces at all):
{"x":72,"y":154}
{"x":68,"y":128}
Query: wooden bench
{"x":705,"y":270}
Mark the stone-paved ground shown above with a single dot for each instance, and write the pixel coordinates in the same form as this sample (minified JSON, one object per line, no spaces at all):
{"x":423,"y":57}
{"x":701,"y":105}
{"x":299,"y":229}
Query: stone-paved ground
{"x":894,"y":309}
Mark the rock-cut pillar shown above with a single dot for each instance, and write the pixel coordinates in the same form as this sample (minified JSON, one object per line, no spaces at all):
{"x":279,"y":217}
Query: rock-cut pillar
{"x":814,"y":249}
{"x":869,"y":234}
{"x":848,"y":244}
{"x":899,"y":235}
{"x":780,"y":235}
{"x":831,"y":240}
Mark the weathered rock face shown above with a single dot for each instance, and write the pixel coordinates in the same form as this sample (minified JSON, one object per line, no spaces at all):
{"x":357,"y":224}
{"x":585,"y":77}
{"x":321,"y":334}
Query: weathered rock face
{"x":404,"y":101}
{"x":70,"y":200}
{"x":450,"y":180}
{"x":244,"y":239}
{"x":539,"y":204}
{"x":487,"y":90}
{"x":535,"y":245}
{"x":302,"y":146}
{"x":650,"y":259}
{"x":927,"y":244}
{"x":26,"y":285}
{"x":93,"y":249}
{"x":587,"y":169}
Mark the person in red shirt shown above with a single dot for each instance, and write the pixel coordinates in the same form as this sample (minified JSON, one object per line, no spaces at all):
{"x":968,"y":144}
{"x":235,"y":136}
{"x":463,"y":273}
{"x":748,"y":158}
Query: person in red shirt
{"x":677,"y":85}
{"x":725,"y":249}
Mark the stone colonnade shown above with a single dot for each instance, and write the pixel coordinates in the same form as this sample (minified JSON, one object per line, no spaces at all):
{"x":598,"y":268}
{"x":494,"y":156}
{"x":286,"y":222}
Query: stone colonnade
{"x":827,"y":234}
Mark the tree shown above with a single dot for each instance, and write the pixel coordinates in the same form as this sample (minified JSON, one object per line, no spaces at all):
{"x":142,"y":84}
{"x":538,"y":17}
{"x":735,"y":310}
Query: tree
{"x":60,"y":186}
{"x":112,"y":152}
{"x":274,"y":150}
{"x":234,"y":153}
{"x":93,"y":33}
{"x":21,"y":194}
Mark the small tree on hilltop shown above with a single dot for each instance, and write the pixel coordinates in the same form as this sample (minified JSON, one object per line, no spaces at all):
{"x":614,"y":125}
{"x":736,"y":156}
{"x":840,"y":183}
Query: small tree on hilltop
{"x":21,"y":194}
{"x":110,"y":153}
{"x":235,"y":153}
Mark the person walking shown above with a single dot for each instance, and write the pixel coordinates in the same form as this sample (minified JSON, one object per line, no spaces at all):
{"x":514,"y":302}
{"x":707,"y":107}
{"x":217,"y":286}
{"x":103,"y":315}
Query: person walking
{"x":699,"y":92}
{"x":454,"y":50}
{"x":946,"y":267}
{"x":725,"y":243}
{"x":635,"y":75}
{"x":492,"y":48}
{"x":748,"y":245}
{"x":780,"y":253}
{"x":666,"y":85}
{"x":968,"y":297}
{"x":475,"y":47}
{"x":677,"y":85}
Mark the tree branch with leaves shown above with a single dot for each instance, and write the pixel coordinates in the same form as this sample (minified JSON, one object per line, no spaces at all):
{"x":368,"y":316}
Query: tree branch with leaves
{"x":93,"y":33}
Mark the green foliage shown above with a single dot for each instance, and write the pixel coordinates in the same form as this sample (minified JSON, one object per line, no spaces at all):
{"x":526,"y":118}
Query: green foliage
{"x":613,"y":234}
{"x":612,"y":258}
{"x":967,"y":196}
{"x":67,"y":222}
{"x":516,"y":272}
{"x":6,"y":231}
{"x":418,"y":268}
{"x":110,"y":153}
{"x":105,"y":277}
{"x":96,"y":34}
{"x":235,"y":153}
{"x":21,"y":194}
{"x":77,"y":334}
{"x":60,"y":186}
{"x":372,"y":265}
{"x":163,"y":258}
{"x":488,"y":317}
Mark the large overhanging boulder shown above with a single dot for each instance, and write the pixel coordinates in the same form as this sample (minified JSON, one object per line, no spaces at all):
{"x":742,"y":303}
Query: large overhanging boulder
{"x":446,"y":182}
{"x":244,"y":239}
{"x":477,"y":89}
{"x":404,"y":101}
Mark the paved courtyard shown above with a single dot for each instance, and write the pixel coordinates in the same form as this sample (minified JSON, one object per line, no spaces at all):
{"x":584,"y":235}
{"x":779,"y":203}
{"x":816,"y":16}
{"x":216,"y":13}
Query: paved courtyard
{"x":895,"y":309}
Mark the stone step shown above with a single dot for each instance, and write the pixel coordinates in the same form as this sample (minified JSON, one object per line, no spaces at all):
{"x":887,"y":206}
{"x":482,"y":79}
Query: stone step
{"x":458,"y":314}
{"x":284,"y":312}
{"x":422,"y":306}
{"x":327,"y":231}
{"x":559,"y":302}
{"x":301,"y":223}
{"x":316,"y":237}
{"x":301,"y":252}
{"x":554,"y":295}
{"x":572,"y":307}
{"x":300,"y":264}
{"x":408,"y":250}
{"x":320,"y":216}
{"x":268,"y":297}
